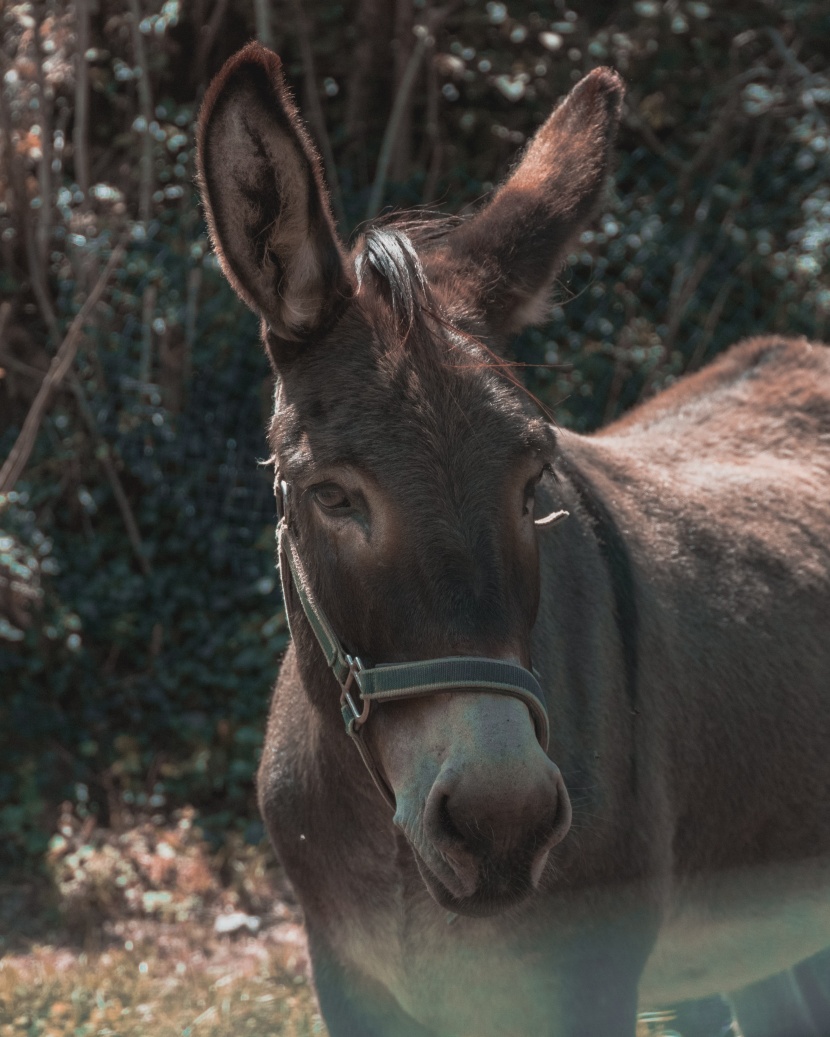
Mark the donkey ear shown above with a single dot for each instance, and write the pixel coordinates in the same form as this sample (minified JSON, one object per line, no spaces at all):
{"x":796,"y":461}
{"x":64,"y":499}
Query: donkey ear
{"x":267,"y":207}
{"x":519,"y":240}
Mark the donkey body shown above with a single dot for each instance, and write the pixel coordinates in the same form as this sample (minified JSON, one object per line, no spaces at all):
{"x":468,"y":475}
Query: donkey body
{"x":674,"y":840}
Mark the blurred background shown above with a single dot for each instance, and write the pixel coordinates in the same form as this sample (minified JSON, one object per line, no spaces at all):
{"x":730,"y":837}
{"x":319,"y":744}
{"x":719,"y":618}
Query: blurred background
{"x":140,"y":619}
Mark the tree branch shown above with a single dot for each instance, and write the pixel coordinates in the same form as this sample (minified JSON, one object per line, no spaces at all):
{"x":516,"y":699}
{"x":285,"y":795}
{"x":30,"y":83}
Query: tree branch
{"x":390,"y":135}
{"x":17,"y":460}
{"x":43,"y":231}
{"x":80,"y":150}
{"x":207,"y":38}
{"x":262,"y":19}
{"x":425,"y":34}
{"x":315,"y":114}
{"x":145,"y":102}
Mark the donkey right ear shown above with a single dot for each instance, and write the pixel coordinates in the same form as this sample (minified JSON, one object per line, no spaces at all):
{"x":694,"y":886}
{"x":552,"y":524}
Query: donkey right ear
{"x":517,"y":243}
{"x":267,"y":207}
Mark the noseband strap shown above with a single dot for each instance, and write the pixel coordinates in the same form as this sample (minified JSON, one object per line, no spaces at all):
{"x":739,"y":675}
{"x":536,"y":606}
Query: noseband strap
{"x":361,"y":686}
{"x":390,"y":681}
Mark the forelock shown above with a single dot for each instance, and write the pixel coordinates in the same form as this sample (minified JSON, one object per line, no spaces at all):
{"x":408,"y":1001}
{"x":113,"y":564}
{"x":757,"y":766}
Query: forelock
{"x":390,"y":254}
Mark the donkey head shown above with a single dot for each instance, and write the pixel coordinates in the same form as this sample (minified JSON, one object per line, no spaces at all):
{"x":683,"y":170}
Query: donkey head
{"x":410,"y":456}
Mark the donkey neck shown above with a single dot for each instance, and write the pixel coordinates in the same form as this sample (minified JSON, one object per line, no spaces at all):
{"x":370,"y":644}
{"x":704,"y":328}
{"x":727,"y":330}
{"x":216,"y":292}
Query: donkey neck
{"x":586,"y":649}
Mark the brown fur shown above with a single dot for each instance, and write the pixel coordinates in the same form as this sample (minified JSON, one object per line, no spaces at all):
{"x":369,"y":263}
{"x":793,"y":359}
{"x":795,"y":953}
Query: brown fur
{"x":677,"y":619}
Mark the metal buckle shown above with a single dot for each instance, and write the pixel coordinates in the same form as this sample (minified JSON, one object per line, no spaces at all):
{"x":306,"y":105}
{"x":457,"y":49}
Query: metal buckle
{"x":359,"y":716}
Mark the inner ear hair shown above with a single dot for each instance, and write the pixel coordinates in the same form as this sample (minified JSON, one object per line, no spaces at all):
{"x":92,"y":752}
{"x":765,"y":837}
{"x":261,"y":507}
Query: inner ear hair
{"x":267,"y":206}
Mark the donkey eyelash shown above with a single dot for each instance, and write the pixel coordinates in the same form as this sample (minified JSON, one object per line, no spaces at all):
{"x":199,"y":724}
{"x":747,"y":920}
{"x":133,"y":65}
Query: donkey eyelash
{"x":547,"y":469}
{"x":341,"y":504}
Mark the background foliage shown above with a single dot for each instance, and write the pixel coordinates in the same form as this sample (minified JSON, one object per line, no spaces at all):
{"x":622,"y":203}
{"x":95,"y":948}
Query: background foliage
{"x":140,"y":623}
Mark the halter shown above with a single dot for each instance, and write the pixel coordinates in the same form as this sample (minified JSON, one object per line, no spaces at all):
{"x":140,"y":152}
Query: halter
{"x":361,"y":685}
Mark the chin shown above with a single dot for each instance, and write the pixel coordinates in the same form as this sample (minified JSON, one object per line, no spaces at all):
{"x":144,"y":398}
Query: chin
{"x":490,"y":899}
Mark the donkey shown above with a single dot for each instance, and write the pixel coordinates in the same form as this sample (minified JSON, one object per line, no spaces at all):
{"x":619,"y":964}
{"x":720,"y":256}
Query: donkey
{"x":585,"y":680}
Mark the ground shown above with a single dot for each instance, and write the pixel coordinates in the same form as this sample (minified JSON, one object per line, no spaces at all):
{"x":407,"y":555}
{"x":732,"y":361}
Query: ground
{"x":150,"y":931}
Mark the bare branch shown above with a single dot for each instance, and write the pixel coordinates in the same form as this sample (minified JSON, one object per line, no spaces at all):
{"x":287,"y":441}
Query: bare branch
{"x":787,"y":55}
{"x":80,"y":149}
{"x":369,"y":54}
{"x":104,"y":456}
{"x":18,"y":366}
{"x":402,"y":46}
{"x":390,"y":135}
{"x":712,"y":319}
{"x":148,"y":307}
{"x":145,"y":103}
{"x":207,"y":37}
{"x":62,"y":361}
{"x":425,"y":38}
{"x":633,"y":119}
{"x":433,"y":147}
{"x":5,"y":317}
{"x":262,"y":18}
{"x":43,"y":230}
{"x":194,"y":285}
{"x":17,"y":182}
{"x":315,"y":113}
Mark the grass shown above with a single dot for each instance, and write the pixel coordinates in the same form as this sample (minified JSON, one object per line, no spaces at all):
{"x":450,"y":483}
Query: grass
{"x":140,"y":988}
{"x":127,"y":937}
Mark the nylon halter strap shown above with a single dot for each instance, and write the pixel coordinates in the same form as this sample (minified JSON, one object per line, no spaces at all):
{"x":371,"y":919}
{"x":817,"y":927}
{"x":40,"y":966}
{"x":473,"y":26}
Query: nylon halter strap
{"x":361,"y":686}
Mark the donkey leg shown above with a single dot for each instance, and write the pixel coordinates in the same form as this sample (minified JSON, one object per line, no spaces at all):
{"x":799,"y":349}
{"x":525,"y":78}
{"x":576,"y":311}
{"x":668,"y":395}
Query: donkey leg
{"x":774,"y":1007}
{"x":597,"y":1002}
{"x":594,"y":993}
{"x":352,"y":1006}
{"x":707,"y":1017}
{"x":813,"y":977}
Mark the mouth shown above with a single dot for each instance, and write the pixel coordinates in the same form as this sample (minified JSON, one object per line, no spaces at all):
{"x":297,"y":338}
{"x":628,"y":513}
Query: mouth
{"x":497,"y":890}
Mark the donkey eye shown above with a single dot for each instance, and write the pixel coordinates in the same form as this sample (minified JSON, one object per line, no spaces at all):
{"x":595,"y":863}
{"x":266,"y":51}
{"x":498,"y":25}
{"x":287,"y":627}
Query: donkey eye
{"x":331,"y":497}
{"x":530,"y":494}
{"x":530,"y":490}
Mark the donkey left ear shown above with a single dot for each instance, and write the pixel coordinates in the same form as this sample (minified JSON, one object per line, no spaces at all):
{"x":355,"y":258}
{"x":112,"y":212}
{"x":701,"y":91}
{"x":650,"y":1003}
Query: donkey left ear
{"x":267,"y":207}
{"x":516,"y":245}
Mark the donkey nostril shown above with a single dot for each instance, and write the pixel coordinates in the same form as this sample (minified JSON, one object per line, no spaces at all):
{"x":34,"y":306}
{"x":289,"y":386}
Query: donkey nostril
{"x":554,"y":832}
{"x":438,"y":816}
{"x":457,"y":866}
{"x":446,"y":825}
